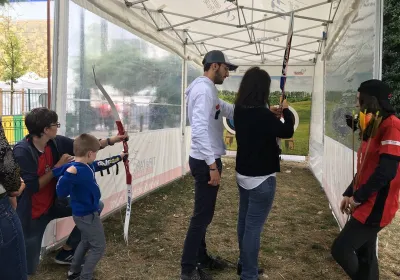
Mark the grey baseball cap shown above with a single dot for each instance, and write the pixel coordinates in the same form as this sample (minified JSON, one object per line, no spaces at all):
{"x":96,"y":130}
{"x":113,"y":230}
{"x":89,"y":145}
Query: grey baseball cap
{"x":218,"y":57}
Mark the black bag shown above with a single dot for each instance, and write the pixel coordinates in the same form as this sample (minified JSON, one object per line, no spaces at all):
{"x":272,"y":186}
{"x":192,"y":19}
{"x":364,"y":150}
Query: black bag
{"x":9,"y":169}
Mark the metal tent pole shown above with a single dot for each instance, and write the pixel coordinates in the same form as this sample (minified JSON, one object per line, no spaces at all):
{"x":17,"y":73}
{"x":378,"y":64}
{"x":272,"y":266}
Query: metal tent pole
{"x":183,"y":105}
{"x":60,"y":62}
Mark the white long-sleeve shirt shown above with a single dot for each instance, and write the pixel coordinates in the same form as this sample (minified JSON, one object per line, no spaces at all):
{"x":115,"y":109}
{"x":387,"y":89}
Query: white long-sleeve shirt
{"x":205,"y":111}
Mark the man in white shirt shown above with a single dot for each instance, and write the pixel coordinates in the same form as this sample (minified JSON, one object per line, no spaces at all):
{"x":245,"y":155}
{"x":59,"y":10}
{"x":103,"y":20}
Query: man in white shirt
{"x":205,"y":112}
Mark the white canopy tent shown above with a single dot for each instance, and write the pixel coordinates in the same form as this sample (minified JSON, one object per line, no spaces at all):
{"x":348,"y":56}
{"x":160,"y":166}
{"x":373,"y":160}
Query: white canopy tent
{"x":339,"y":42}
{"x":250,"y":32}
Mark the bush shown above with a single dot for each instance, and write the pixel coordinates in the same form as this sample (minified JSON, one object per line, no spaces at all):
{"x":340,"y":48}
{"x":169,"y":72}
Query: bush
{"x":294,"y":96}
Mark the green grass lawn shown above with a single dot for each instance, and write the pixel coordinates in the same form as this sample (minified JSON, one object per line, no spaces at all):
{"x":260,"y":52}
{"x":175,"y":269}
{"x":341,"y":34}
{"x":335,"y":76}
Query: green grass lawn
{"x":295,"y":242}
{"x":301,"y":136}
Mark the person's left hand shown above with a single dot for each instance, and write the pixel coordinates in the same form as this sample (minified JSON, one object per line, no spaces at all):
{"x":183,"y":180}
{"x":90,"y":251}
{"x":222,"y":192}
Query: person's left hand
{"x":119,"y":138}
{"x":352,"y":205}
{"x":21,"y":189}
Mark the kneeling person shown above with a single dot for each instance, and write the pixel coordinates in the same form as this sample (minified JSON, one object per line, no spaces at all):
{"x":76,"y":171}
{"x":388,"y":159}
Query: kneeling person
{"x":78,"y":181}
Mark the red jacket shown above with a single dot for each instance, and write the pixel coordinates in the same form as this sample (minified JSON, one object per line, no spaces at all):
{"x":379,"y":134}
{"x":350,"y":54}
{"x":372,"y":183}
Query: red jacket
{"x":378,"y":187}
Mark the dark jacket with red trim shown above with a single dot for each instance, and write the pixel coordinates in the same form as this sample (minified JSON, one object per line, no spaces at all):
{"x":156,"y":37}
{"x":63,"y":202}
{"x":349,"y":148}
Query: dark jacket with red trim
{"x":379,"y":182}
{"x":27,"y":156}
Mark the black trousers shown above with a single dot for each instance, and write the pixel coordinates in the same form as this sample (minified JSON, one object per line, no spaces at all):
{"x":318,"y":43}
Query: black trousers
{"x":355,"y":250}
{"x":205,"y":197}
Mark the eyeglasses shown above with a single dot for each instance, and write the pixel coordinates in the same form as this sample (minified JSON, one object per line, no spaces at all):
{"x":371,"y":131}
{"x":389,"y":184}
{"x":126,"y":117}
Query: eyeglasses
{"x":56,"y":124}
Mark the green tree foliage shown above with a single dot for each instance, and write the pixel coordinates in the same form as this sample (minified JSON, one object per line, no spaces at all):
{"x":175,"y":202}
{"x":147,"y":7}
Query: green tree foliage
{"x":133,"y":67}
{"x":391,"y":49}
{"x":127,"y":67}
{"x":14,"y":54}
{"x":294,"y":96}
{"x":3,"y":2}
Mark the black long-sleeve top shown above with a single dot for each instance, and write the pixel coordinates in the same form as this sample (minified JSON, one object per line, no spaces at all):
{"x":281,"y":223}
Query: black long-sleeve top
{"x":256,"y":131}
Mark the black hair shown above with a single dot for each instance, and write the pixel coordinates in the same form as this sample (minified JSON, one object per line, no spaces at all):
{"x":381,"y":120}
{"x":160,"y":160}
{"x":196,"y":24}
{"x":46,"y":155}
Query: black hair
{"x":38,"y":119}
{"x":370,"y":104}
{"x":207,"y":66}
{"x":254,"y":88}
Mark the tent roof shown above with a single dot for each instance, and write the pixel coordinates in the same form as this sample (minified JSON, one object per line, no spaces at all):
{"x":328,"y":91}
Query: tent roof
{"x":250,"y":32}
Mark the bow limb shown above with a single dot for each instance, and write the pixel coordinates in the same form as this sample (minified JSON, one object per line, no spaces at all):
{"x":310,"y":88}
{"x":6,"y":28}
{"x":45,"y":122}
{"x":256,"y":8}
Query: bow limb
{"x":286,"y":59}
{"x":284,"y":69}
{"x":121,"y":131}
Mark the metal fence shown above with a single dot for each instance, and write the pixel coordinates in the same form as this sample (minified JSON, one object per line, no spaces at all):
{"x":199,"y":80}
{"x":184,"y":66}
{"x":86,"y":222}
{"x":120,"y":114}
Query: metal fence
{"x":13,"y":106}
{"x":14,"y":128}
{"x":21,"y":101}
{"x":137,"y":117}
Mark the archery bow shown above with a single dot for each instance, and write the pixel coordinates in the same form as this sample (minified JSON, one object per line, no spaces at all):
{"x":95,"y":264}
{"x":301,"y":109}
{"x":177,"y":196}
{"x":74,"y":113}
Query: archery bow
{"x":284,"y":66}
{"x":286,"y":59}
{"x":121,"y":131}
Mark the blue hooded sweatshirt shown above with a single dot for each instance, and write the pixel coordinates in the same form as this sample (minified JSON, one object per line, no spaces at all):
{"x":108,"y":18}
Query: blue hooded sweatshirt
{"x":82,"y":186}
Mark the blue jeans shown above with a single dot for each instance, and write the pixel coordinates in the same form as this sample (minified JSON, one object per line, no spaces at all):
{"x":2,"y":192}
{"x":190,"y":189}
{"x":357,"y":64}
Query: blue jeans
{"x":12,"y":246}
{"x":254,"y":207}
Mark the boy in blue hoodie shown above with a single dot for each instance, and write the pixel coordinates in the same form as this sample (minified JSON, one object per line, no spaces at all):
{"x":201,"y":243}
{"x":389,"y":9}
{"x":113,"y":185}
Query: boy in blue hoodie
{"x":79,"y":182}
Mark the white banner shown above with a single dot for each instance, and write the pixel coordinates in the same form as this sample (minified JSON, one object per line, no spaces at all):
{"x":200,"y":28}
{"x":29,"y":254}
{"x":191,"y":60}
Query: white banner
{"x":337,"y":174}
{"x":155,"y":160}
{"x":316,"y":142}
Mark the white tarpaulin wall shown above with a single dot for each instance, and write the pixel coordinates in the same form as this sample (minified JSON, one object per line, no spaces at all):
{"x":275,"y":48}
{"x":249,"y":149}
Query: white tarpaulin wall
{"x":142,"y":62}
{"x":151,"y":111}
{"x":137,"y":48}
{"x":352,"y":55}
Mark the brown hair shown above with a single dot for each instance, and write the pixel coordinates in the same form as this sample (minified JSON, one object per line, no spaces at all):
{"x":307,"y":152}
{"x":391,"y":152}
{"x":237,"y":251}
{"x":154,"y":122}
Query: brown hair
{"x":254,"y":88}
{"x":85,"y":143}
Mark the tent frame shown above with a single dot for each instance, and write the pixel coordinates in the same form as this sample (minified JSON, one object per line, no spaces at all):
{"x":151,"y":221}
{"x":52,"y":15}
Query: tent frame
{"x":60,"y":43}
{"x":242,"y":26}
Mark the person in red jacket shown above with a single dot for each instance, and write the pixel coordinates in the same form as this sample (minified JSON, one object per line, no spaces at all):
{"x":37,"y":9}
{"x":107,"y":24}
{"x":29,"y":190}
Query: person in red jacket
{"x":374,"y":199}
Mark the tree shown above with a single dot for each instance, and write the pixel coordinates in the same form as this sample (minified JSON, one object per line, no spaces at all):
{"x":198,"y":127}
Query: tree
{"x":13,"y":54}
{"x":391,"y":49}
{"x":3,"y":2}
{"x":128,"y":66}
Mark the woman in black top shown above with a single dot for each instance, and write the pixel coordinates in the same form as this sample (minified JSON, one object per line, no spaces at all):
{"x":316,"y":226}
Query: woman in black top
{"x":257,"y":128}
{"x":12,"y":245}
